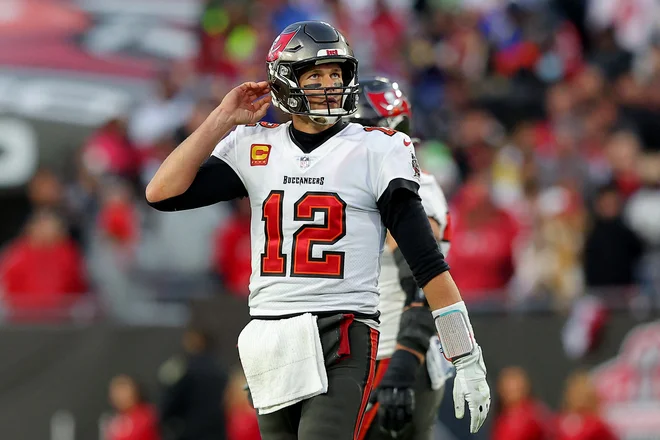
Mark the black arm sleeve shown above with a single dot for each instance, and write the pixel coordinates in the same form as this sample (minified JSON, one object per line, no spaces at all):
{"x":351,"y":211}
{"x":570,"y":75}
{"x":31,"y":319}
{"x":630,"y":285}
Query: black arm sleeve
{"x":408,"y":284}
{"x":403,"y":215}
{"x":215,"y":182}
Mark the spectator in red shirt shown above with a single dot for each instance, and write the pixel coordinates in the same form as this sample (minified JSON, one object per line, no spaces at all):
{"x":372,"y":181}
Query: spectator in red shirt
{"x":520,"y":416}
{"x":482,"y":244}
{"x":388,"y":36}
{"x":232,"y":250}
{"x":623,"y":151}
{"x":42,"y":271}
{"x":135,"y":419}
{"x":580,"y":419}
{"x":109,"y":151}
{"x":118,"y":218}
{"x":242,"y":423}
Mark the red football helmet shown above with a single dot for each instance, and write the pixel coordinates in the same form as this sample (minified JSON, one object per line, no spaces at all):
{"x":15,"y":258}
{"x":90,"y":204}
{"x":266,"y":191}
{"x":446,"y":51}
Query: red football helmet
{"x":383,"y":104}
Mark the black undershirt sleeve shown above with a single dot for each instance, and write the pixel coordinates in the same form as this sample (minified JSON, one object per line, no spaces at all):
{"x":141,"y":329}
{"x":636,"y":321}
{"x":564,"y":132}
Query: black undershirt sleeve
{"x":403,"y":215}
{"x":215,"y":182}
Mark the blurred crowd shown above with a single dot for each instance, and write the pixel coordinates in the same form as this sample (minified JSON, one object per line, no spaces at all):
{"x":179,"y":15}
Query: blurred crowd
{"x":536,"y":116}
{"x":198,"y":400}
{"x":520,"y":415}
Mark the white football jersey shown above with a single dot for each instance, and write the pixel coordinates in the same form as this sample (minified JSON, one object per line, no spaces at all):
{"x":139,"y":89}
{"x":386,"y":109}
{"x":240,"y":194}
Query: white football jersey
{"x":316,"y":230}
{"x":392,"y":297}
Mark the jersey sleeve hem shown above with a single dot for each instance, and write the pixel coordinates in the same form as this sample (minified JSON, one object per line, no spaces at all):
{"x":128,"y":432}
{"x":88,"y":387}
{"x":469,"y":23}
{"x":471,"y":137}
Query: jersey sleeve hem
{"x":379,"y":193}
{"x":234,"y":153}
{"x":394,"y":185}
{"x":234,"y":168}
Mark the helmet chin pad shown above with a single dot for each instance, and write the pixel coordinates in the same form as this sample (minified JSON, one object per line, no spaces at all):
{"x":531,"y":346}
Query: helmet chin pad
{"x":326,"y":117}
{"x":324,"y":120}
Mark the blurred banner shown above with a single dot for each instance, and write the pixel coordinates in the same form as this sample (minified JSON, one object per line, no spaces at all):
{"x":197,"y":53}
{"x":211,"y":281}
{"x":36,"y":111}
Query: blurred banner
{"x":69,"y":65}
{"x":54,"y":381}
{"x":124,"y":38}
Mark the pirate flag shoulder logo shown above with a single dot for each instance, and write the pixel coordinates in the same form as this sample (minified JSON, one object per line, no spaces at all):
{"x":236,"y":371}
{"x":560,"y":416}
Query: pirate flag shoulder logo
{"x":415,"y":166}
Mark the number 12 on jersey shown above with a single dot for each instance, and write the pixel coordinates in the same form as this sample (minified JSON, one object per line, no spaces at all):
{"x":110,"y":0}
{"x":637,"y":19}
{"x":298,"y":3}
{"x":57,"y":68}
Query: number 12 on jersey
{"x":303,"y":264}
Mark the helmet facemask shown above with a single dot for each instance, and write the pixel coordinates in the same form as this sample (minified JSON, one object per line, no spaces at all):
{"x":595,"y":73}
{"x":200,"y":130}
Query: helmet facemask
{"x":291,"y":98}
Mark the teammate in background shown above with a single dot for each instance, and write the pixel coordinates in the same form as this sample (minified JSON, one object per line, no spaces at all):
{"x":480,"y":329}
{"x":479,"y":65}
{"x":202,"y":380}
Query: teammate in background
{"x":410,"y":372}
{"x":322,"y":192}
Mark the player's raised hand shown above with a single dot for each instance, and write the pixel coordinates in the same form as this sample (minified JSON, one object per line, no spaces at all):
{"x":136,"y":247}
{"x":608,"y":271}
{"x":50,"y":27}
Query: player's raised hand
{"x":247,"y":103}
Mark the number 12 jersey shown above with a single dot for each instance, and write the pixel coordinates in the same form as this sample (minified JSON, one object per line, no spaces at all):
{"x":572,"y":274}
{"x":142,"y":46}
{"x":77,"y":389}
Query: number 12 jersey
{"x":316,"y":231}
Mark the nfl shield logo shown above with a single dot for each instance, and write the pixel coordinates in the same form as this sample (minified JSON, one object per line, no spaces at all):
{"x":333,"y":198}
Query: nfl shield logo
{"x":303,"y":162}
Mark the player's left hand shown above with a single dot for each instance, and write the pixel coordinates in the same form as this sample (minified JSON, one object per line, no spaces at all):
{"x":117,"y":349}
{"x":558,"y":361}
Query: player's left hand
{"x":395,"y":410}
{"x":396,"y":396}
{"x":470,"y":386}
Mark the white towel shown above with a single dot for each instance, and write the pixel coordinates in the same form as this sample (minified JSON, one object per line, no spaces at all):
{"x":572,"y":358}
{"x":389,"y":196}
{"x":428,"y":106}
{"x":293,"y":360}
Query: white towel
{"x":283,"y":361}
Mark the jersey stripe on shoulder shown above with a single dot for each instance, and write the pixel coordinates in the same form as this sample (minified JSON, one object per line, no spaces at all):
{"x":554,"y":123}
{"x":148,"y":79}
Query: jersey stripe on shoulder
{"x":264,"y":124}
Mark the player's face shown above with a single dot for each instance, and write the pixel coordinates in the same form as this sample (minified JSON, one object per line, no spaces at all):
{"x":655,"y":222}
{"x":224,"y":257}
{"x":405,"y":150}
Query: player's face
{"x":324,"y":75}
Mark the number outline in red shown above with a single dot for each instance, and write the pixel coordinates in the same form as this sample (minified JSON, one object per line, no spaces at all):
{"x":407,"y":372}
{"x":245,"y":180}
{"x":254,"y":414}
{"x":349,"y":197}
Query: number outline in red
{"x":388,"y":131}
{"x":281,"y":256}
{"x":326,"y":256}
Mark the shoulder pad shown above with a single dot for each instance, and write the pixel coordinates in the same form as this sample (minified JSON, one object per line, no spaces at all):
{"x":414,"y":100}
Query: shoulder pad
{"x":388,"y":138}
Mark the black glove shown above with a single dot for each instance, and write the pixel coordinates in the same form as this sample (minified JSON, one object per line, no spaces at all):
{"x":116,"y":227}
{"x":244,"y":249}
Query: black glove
{"x":396,"y":396}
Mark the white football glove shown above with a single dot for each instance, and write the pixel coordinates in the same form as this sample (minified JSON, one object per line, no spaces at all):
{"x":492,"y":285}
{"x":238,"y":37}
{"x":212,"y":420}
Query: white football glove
{"x":470,"y":386}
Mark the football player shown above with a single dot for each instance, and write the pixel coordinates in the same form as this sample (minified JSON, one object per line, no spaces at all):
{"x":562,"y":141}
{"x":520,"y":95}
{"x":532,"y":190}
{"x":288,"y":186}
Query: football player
{"x":409,"y":384}
{"x":322,"y":191}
